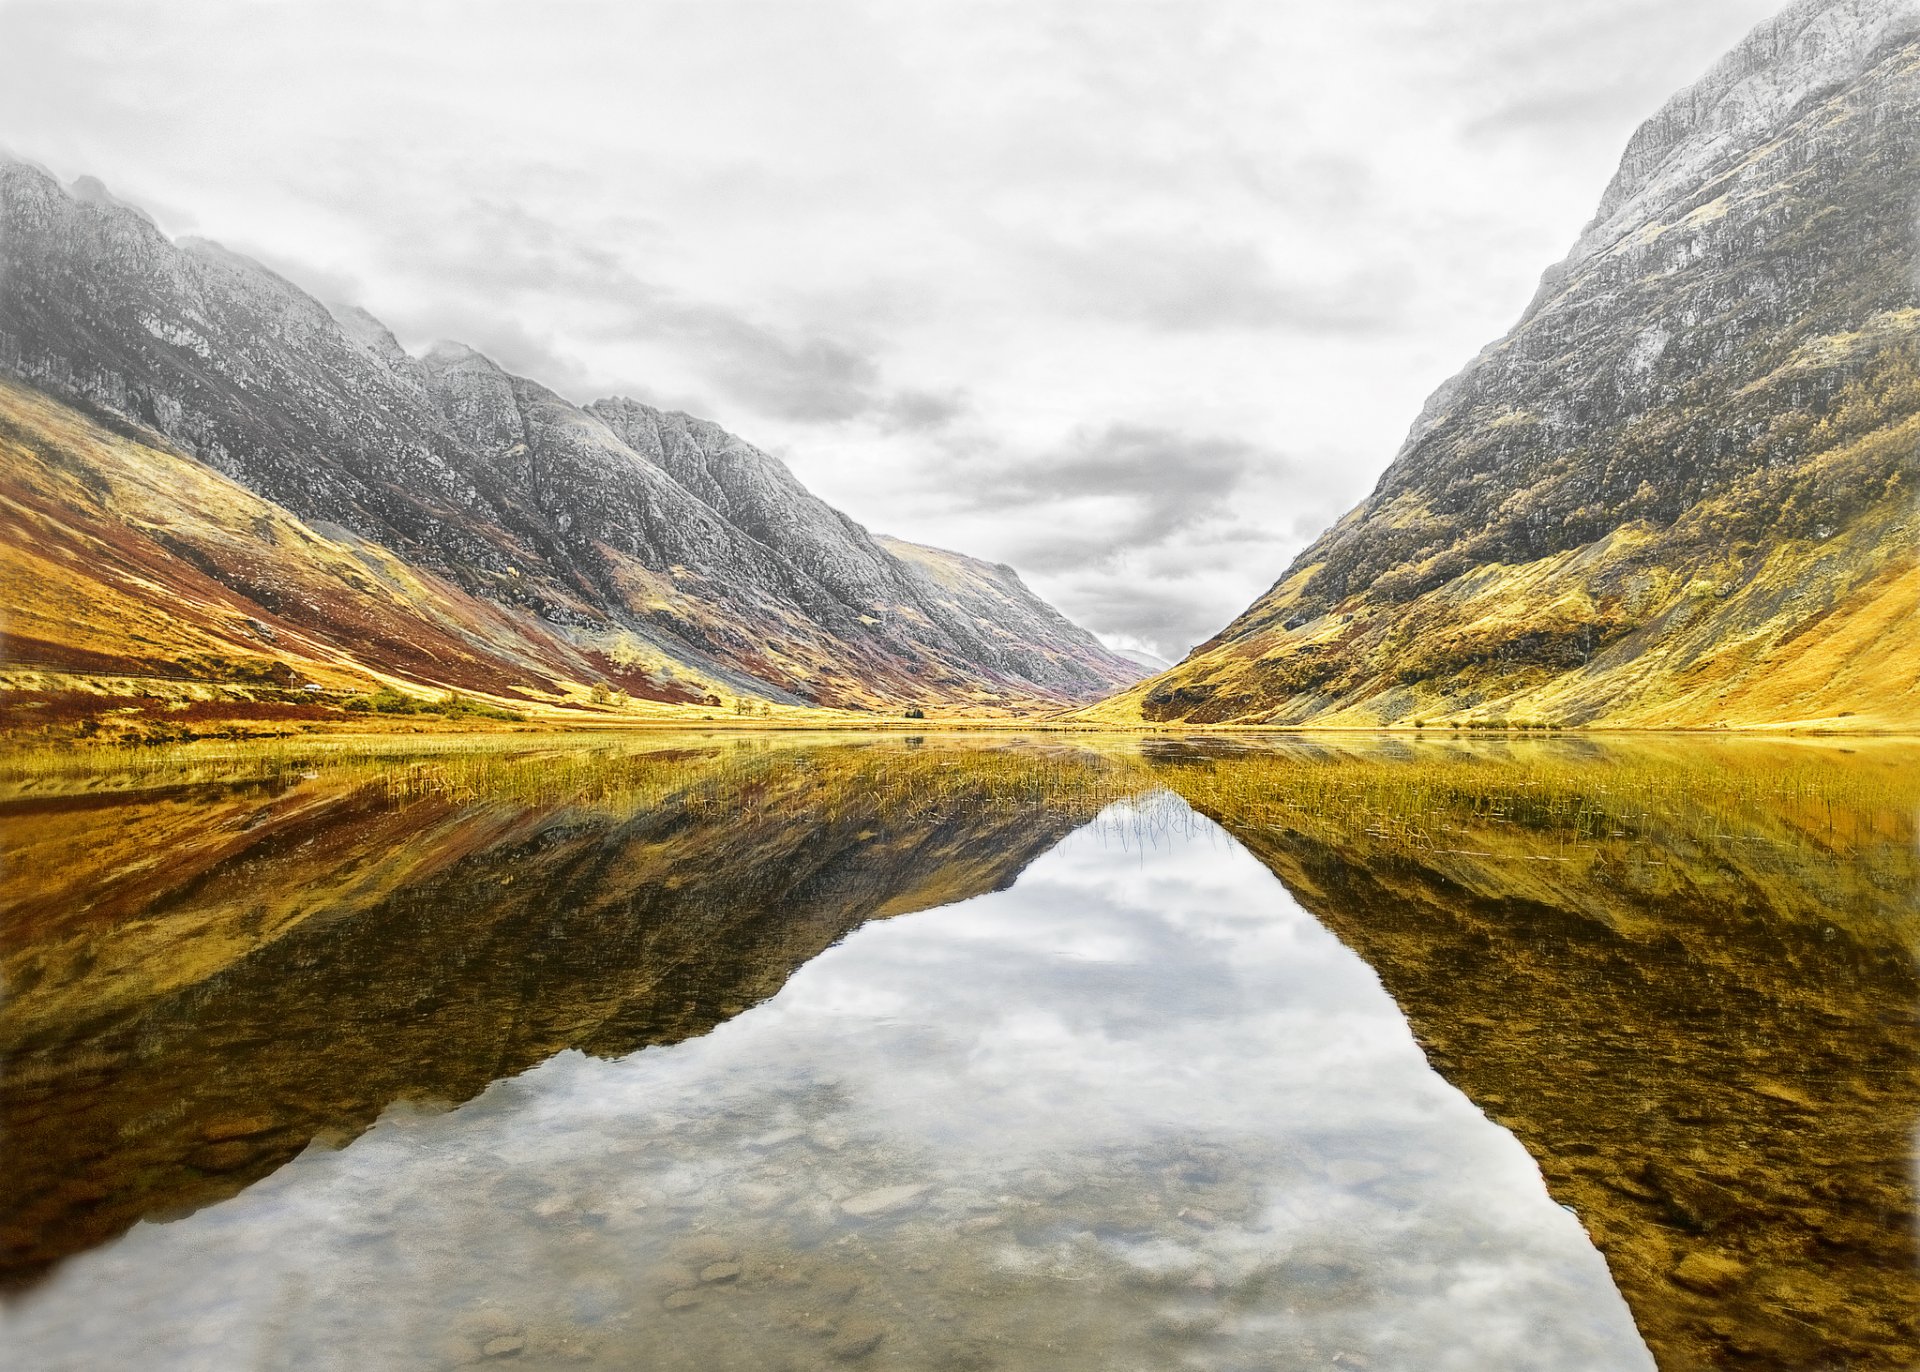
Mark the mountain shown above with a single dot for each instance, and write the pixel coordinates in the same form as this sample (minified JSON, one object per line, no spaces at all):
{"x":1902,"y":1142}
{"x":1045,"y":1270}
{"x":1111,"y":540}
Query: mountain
{"x":482,"y":531}
{"x":1151,"y":662}
{"x":1021,"y":630}
{"x":1680,"y":492}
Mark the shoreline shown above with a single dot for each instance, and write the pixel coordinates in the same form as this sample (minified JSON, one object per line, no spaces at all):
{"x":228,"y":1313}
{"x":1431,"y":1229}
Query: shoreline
{"x":582,"y":730}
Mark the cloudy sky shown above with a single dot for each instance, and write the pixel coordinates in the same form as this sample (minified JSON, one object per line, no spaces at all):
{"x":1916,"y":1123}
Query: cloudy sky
{"x":1137,"y":297}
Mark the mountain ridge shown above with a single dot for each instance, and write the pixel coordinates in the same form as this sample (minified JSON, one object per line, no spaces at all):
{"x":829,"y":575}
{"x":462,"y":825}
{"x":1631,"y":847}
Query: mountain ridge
{"x":1679,"y":492}
{"x":609,"y":524}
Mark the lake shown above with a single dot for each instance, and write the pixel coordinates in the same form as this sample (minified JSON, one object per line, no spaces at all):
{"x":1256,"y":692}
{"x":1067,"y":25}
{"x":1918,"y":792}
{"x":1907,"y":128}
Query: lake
{"x":962,"y":1052}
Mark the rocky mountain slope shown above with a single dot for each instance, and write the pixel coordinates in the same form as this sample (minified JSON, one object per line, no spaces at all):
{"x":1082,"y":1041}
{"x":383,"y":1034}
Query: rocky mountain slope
{"x":613,"y":541}
{"x":1681,"y":490}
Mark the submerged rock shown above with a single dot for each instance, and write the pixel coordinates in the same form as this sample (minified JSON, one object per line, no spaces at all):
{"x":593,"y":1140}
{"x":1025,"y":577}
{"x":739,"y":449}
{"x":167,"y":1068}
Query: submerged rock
{"x":885,"y":1201}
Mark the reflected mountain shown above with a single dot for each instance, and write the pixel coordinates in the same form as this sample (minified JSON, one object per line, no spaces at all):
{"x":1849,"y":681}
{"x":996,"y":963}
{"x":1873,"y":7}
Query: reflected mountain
{"x":1682,"y":974}
{"x":204,"y":976}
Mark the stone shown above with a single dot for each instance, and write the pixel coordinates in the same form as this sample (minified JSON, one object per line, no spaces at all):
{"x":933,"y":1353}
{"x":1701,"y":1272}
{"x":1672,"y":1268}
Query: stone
{"x":884,"y":1201}
{"x":1710,"y":1274}
{"x":757,"y":1197}
{"x":672,"y":1275}
{"x":838,"y":1287}
{"x":1695,"y":1201}
{"x":855,"y":1339}
{"x":1186,"y":1324}
{"x":221,"y":1128}
{"x":702,"y":1249}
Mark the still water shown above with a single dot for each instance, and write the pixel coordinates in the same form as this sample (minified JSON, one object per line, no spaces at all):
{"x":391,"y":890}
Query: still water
{"x":937,"y":1053}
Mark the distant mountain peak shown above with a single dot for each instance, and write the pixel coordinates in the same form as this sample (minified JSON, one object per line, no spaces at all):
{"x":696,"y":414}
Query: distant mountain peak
{"x":444,"y":353}
{"x":1809,"y":47}
{"x":376,"y":338}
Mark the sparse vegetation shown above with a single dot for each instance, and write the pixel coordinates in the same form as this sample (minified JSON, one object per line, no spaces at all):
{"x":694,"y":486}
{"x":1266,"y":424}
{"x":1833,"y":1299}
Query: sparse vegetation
{"x":452,"y":705}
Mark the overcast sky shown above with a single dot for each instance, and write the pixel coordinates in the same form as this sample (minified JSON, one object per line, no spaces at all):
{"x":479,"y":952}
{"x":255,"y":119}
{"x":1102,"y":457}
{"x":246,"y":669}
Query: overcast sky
{"x":1137,"y":297}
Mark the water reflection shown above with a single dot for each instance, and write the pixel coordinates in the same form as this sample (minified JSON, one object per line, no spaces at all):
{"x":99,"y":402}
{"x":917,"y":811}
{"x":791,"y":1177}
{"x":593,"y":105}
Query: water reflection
{"x":1139,"y":1110}
{"x":1682,"y":973}
{"x":205,"y":975}
{"x":1135,"y":1108}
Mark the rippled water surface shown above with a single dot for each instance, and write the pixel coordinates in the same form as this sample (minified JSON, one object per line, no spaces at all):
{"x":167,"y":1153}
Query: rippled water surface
{"x":766,"y":1053}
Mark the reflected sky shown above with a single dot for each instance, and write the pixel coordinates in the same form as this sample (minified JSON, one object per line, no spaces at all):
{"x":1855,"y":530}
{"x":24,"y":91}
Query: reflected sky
{"x":1137,"y":1111}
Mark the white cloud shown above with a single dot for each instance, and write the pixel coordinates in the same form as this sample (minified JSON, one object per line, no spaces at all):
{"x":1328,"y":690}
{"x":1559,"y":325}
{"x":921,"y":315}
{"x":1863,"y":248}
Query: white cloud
{"x":844,"y":230}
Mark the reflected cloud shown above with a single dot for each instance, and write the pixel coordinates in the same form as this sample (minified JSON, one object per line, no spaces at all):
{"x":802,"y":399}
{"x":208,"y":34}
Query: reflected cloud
{"x":1028,"y":1116}
{"x":786,"y":1043}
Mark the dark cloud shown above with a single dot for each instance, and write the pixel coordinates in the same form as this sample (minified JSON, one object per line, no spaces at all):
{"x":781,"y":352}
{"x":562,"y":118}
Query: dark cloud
{"x":914,"y":411}
{"x":511,"y":254}
{"x":809,"y":379}
{"x":1149,"y":484}
{"x":1171,"y":617}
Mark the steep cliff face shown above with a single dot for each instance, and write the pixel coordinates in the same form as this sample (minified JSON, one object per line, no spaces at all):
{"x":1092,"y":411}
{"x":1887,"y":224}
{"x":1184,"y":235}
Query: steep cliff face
{"x":1681,"y":490}
{"x":618,"y":528}
{"x":127,"y":561}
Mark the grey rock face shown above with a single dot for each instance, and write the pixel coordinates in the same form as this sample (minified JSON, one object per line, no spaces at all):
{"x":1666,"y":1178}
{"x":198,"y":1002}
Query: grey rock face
{"x":1810,"y":47}
{"x":1716,"y":254}
{"x":598,"y":519}
{"x":1679,"y":385}
{"x":1007,"y":624}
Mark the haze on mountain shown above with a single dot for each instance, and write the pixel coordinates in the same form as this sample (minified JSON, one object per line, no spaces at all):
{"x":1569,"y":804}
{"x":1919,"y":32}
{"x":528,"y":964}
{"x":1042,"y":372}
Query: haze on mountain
{"x":1136,"y":298}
